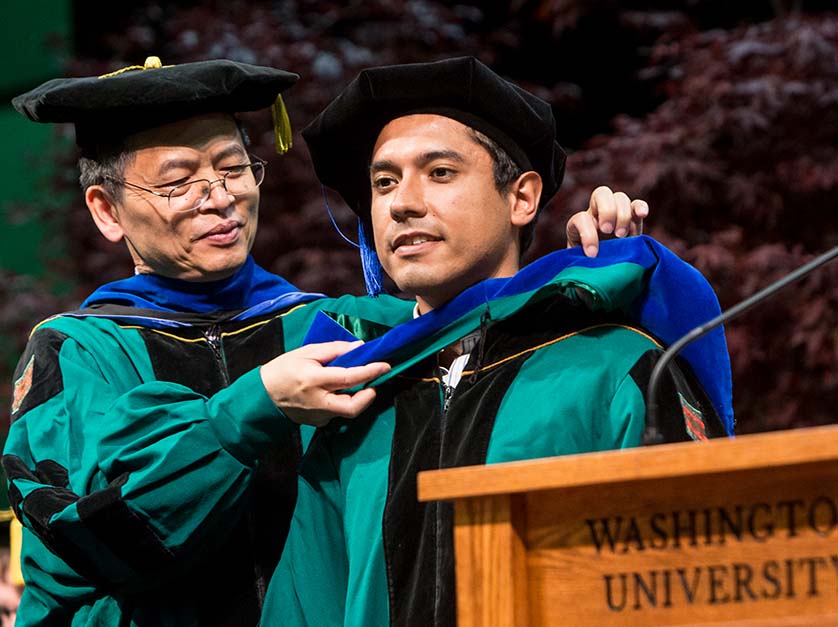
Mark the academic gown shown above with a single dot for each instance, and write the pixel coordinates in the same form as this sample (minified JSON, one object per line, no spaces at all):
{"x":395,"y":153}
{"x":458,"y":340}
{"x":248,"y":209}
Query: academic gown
{"x":560,"y":367}
{"x":154,"y":476}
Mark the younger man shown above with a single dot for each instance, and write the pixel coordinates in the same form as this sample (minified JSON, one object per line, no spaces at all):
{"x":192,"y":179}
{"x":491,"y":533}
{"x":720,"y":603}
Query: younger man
{"x":449,"y":165}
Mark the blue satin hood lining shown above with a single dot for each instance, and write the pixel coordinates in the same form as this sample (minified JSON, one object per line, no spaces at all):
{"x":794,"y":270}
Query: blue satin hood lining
{"x":251,"y":289}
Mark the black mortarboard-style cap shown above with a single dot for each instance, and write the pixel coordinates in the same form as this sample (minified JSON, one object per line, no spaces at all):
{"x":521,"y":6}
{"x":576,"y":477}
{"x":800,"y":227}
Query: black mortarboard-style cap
{"x":136,"y":98}
{"x":342,"y":137}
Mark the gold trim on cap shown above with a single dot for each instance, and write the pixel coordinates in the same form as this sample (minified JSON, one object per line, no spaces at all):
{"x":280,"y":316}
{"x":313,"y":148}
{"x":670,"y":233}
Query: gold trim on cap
{"x":151,"y":63}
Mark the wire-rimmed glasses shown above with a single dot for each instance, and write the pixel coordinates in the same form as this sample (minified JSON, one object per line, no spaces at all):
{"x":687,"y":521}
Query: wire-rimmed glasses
{"x":237,"y":181}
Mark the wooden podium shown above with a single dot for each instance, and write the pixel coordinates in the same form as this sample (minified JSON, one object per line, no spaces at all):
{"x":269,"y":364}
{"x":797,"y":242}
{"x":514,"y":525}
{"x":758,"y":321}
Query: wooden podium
{"x":738,"y":531}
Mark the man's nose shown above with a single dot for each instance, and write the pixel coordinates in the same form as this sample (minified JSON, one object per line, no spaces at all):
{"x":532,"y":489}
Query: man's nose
{"x":408,"y":199}
{"x":219,"y":197}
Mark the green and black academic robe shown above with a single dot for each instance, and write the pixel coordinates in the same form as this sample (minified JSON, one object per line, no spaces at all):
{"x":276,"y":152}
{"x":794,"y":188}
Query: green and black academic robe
{"x":547,"y":377}
{"x":153,"y":474}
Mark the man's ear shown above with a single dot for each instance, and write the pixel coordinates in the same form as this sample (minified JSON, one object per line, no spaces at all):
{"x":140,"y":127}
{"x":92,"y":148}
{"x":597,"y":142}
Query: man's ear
{"x":526,"y":191}
{"x":104,"y":213}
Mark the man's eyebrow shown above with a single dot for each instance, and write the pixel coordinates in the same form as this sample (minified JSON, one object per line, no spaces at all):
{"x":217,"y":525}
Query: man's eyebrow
{"x":173,"y":164}
{"x":381,"y":165}
{"x":422,"y":160}
{"x":234,"y":150}
{"x":187,"y":162}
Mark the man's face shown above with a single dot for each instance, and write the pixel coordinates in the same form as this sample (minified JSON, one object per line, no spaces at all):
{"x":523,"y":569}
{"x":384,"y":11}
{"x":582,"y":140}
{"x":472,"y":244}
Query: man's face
{"x":204,"y":244}
{"x":440,"y":223}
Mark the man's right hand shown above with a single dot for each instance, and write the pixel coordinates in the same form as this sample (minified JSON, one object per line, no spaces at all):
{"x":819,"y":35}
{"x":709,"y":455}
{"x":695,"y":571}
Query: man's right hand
{"x":305,"y":390}
{"x":608,"y":212}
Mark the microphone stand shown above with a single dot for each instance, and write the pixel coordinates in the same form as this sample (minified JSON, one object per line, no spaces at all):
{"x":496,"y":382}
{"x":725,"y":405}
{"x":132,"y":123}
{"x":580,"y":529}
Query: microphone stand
{"x":652,"y":434}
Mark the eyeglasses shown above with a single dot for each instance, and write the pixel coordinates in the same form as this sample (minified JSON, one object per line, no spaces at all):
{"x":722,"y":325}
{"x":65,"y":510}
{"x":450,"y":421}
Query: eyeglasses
{"x":237,"y":181}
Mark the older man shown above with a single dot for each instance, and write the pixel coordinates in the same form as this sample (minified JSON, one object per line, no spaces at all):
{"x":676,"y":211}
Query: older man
{"x":449,"y":165}
{"x":155,"y":437}
{"x":149,"y":459}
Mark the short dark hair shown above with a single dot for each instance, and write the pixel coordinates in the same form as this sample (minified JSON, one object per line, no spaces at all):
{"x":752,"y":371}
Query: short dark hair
{"x":104,"y":164}
{"x":505,"y":172}
{"x":105,"y":167}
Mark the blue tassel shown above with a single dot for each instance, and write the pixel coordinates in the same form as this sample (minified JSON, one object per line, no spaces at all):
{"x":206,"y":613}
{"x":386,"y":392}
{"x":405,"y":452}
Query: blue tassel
{"x":369,"y":260}
{"x":370,"y":263}
{"x":332,"y":218}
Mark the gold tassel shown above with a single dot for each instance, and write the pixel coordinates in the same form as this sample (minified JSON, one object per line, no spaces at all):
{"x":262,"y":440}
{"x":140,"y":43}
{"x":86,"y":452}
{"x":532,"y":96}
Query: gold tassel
{"x":282,"y":126}
{"x":15,"y":541}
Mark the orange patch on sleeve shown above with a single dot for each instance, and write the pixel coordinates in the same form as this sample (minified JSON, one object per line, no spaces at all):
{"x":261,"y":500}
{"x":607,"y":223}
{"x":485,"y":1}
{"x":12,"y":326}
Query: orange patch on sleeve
{"x":23,"y":385}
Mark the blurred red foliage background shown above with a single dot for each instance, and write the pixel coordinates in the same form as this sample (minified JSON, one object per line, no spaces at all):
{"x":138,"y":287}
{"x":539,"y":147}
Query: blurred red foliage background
{"x":724,"y":117}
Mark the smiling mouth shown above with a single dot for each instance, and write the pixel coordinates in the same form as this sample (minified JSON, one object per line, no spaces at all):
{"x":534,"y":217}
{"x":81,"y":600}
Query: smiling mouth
{"x":414,"y":239}
{"x":220,"y":230}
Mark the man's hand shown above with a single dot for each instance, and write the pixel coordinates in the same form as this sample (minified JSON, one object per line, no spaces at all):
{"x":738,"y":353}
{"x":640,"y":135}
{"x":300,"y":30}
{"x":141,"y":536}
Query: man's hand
{"x":304,"y":389}
{"x":608,"y":212}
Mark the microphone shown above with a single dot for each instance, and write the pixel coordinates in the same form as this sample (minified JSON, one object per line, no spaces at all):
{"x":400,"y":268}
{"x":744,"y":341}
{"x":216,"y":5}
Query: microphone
{"x":652,"y":434}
